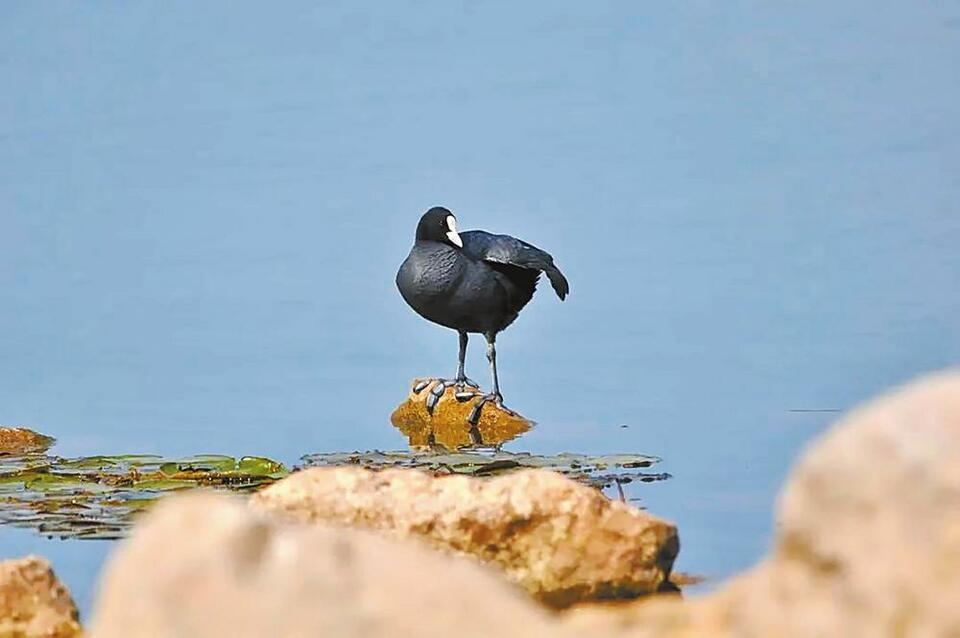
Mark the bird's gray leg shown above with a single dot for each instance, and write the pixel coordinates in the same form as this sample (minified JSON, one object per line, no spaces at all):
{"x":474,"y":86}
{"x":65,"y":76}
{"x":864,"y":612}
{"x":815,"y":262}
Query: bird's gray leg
{"x":492,"y":358}
{"x":465,"y":387}
{"x":495,"y":397}
{"x":462,"y":380}
{"x":461,"y":374}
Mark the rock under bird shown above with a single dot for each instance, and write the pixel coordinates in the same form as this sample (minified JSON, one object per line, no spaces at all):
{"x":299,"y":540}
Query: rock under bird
{"x":472,"y":282}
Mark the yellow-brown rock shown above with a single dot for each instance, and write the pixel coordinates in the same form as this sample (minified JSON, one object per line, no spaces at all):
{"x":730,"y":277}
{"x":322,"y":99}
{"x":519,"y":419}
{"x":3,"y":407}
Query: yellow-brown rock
{"x":206,"y":566}
{"x":22,"y":441}
{"x":448,"y":427}
{"x":33,"y":603}
{"x":561,"y":541}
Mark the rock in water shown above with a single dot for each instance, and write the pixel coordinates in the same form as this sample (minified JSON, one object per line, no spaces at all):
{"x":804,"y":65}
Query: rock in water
{"x":206,"y":566}
{"x":33,"y":603}
{"x":448,"y":426}
{"x":868,"y":541}
{"x":563,"y":542}
{"x":23,"y":441}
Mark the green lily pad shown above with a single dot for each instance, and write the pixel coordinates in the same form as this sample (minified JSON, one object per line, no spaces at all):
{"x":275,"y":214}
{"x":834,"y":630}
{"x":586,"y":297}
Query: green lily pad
{"x":259,"y":465}
{"x":170,"y":468}
{"x":208,"y":462}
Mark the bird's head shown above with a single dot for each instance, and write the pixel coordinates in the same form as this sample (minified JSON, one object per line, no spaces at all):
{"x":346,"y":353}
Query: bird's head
{"x":439,"y":224}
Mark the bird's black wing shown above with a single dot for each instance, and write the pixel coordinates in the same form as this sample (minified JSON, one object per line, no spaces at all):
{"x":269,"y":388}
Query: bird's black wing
{"x":504,"y":249}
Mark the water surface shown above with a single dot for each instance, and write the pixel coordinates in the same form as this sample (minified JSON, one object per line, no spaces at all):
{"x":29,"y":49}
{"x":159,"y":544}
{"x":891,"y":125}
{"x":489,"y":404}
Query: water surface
{"x":202,"y":208}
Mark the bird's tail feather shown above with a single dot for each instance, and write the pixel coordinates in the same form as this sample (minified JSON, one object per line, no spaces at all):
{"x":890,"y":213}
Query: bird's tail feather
{"x":558,"y":281}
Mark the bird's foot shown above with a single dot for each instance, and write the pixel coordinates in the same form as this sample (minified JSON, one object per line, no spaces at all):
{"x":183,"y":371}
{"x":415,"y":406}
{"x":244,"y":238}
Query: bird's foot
{"x":494,"y":398}
{"x":466,"y":389}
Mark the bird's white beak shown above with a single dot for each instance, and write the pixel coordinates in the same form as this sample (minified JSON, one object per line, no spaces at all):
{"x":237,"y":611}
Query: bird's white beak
{"x":452,"y":234}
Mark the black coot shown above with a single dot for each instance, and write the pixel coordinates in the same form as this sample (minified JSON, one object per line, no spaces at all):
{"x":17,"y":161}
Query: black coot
{"x":472,"y":282}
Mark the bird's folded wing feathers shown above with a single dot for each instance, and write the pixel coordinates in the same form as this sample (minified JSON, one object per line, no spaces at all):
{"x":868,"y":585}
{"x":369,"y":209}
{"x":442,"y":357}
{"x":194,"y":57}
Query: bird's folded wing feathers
{"x":505,"y":249}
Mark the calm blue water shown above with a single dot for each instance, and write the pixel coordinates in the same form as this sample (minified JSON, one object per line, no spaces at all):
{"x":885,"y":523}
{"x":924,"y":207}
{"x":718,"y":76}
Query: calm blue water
{"x":203,"y":205}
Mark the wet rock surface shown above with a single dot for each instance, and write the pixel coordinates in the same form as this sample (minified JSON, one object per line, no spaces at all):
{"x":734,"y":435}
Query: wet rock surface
{"x":236,"y":574}
{"x":33,"y":603}
{"x":561,"y":541}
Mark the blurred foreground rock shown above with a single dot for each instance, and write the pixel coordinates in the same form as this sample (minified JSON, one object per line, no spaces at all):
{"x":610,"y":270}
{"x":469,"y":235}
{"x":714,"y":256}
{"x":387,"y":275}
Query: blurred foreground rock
{"x":33,"y":603}
{"x":206,"y":566}
{"x":563,"y":542}
{"x":868,"y":542}
{"x":23,"y":441}
{"x":448,"y":427}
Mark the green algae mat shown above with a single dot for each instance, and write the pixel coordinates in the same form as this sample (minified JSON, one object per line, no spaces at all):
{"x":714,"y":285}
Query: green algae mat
{"x":99,"y":497}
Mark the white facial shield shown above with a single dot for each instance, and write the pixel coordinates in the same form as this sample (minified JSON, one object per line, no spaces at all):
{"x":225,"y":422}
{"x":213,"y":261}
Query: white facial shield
{"x":452,"y":234}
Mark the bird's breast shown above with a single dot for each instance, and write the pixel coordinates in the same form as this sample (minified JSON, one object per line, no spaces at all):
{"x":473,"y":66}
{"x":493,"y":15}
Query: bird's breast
{"x":433,"y":275}
{"x":448,"y":288}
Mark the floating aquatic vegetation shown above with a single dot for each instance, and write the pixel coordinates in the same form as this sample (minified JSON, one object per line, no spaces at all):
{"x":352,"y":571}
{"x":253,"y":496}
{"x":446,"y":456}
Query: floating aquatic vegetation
{"x":99,"y":496}
{"x":596,"y":471}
